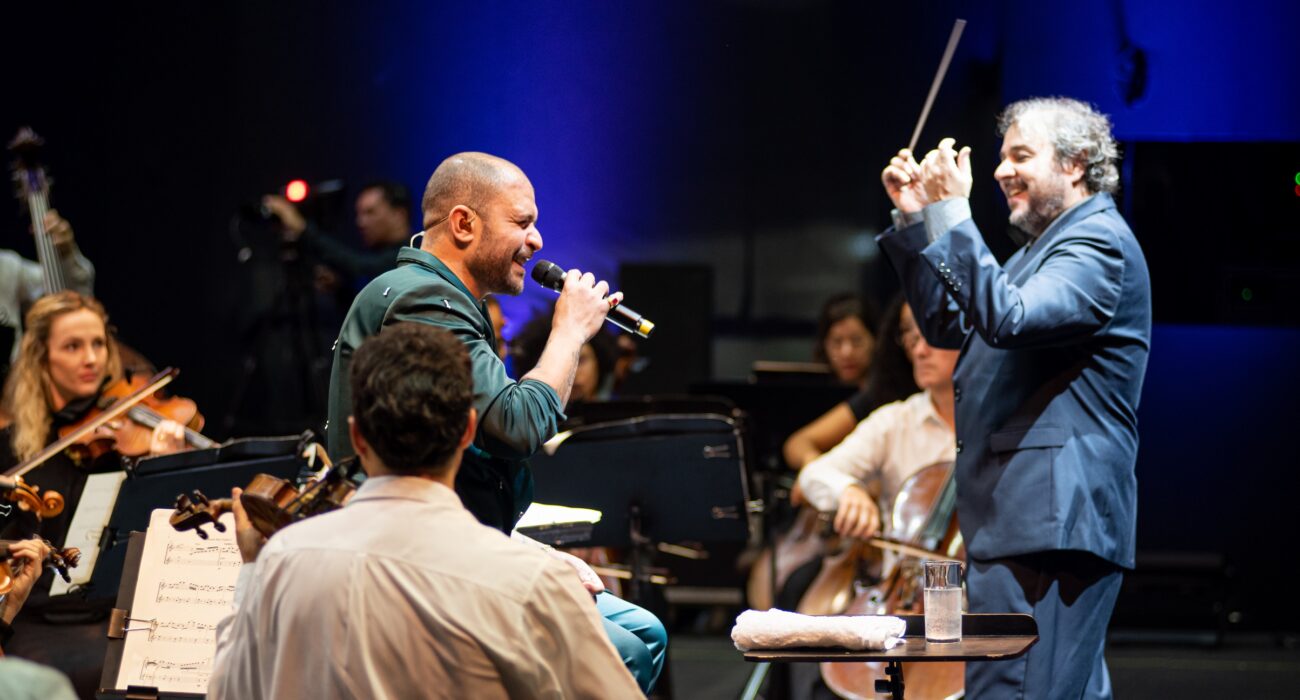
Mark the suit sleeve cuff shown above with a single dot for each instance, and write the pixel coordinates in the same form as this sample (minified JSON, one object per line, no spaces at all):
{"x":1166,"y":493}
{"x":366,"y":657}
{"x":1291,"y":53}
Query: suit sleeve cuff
{"x":944,"y":215}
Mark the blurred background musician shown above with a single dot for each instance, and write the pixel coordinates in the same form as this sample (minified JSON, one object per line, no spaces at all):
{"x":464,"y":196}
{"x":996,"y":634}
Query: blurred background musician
{"x":21,"y":282}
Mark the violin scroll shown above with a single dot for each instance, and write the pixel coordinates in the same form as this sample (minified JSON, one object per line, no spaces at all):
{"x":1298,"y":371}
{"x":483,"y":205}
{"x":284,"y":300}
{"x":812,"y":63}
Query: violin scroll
{"x":30,"y":498}
{"x":195,"y":510}
{"x":271,"y":502}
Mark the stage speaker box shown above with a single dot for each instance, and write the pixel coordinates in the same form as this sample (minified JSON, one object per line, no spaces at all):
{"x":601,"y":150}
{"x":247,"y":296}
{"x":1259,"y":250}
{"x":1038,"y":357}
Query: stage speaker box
{"x":679,"y":300}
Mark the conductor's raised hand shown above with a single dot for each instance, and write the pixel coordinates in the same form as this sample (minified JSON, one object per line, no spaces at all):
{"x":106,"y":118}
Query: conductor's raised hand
{"x":248,"y":538}
{"x":583,"y":305}
{"x":945,"y":172}
{"x":902,"y":180}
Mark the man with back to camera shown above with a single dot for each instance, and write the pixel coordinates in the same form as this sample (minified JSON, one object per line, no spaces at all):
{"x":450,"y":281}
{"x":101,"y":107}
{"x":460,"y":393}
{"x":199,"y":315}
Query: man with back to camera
{"x":464,"y":612}
{"x":1054,"y":347}
{"x":480,"y":228}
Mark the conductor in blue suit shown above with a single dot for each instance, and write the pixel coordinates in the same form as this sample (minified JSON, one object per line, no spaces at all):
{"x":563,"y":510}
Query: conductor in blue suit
{"x":1054,"y":347}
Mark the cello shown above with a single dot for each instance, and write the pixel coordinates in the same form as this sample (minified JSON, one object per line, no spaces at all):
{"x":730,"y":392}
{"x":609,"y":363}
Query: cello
{"x":33,"y":189}
{"x":922,"y":524}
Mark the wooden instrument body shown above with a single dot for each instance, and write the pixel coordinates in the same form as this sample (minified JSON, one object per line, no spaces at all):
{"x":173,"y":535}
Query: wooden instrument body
{"x":270,"y":502}
{"x":131,"y":435}
{"x":806,"y":539}
{"x":918,"y":506}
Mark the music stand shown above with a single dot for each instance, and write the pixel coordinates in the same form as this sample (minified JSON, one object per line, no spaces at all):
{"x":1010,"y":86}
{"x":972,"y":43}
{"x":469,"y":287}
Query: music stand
{"x":661,"y":478}
{"x":155,"y":483}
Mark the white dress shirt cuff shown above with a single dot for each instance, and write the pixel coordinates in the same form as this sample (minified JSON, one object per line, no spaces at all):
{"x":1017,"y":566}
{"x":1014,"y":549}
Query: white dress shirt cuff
{"x":944,"y":215}
{"x":903,"y":219}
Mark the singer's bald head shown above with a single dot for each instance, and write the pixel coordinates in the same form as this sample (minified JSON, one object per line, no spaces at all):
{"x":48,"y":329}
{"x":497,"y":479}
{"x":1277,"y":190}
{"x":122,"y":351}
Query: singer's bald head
{"x":469,"y":178}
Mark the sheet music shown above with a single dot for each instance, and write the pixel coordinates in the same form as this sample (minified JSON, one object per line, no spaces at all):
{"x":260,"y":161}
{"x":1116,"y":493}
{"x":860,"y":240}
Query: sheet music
{"x":185,"y":586}
{"x":542,"y":515}
{"x":88,"y":523}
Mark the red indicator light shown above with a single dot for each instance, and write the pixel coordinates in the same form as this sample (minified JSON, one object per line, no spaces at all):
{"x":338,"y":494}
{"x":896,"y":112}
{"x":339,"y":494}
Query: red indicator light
{"x":1297,"y":190}
{"x":296,"y":191}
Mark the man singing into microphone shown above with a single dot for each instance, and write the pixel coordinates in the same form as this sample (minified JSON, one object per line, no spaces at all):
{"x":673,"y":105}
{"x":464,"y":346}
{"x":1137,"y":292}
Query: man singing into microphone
{"x":480,"y":227}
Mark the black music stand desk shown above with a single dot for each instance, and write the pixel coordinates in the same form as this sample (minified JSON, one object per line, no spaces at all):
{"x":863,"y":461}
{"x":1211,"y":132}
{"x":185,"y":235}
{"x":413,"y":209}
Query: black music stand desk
{"x":984,"y":637}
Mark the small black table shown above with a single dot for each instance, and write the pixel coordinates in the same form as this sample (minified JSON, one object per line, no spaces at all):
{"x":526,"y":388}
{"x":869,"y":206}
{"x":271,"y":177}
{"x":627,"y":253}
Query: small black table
{"x":984,"y":637}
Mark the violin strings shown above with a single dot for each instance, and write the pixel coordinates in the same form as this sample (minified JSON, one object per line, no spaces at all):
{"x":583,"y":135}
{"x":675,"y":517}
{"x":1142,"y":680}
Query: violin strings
{"x":150,"y":419}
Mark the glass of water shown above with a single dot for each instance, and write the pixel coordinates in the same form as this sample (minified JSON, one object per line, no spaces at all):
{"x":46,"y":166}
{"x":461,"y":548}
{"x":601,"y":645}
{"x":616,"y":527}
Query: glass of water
{"x":942,"y":601}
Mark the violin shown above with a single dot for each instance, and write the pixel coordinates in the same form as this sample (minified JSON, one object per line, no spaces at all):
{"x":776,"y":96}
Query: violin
{"x":131,"y":437}
{"x":85,"y":432}
{"x":271,"y":502}
{"x":58,"y":559}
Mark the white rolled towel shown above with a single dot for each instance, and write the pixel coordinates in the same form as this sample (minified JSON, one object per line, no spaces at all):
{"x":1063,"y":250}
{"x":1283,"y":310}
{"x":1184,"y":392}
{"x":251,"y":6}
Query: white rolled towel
{"x":780,"y":629}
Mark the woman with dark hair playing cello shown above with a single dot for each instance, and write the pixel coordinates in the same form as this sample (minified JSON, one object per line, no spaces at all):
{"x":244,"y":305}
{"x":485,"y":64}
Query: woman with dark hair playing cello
{"x":903,"y":452}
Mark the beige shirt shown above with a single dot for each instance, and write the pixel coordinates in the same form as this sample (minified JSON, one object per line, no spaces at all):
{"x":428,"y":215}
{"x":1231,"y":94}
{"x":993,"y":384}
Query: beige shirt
{"x":403,"y":594}
{"x":890,"y":445}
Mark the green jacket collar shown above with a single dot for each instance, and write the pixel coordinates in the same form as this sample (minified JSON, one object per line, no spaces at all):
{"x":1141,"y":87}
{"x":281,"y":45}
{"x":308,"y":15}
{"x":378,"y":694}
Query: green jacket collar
{"x":416,"y":256}
{"x":427,"y":260}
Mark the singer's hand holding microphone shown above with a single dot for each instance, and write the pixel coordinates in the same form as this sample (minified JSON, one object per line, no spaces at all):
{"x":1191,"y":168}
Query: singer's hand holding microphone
{"x":583,"y":302}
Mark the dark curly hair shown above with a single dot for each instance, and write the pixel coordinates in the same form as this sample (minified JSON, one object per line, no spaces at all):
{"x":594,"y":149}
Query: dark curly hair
{"x":412,"y":390}
{"x":1078,"y":132}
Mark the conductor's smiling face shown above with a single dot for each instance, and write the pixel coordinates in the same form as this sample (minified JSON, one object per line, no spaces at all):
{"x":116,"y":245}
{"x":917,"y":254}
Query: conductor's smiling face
{"x":1036,"y":186}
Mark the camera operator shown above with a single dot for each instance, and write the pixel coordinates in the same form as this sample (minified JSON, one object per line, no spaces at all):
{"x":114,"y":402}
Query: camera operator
{"x":384,"y":220}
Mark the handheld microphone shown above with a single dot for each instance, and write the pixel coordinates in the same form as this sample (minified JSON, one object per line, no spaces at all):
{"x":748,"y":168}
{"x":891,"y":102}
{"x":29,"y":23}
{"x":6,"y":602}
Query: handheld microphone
{"x":551,"y":276}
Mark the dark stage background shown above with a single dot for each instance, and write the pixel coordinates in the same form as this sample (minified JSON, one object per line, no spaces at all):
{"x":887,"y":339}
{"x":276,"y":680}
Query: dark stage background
{"x":746,"y":136}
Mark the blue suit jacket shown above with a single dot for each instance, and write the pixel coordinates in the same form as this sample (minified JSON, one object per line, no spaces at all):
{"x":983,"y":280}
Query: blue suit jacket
{"x":1053,"y":351}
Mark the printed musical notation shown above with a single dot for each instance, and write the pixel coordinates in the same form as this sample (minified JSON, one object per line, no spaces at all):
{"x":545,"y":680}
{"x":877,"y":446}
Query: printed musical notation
{"x":182,"y":631}
{"x":202,"y":553}
{"x":184,"y":587}
{"x":163,"y":672}
{"x":191,"y":593}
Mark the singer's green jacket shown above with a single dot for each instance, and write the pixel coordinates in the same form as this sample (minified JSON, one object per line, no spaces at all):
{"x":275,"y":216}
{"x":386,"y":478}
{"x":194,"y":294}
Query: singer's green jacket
{"x":515,"y":418}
